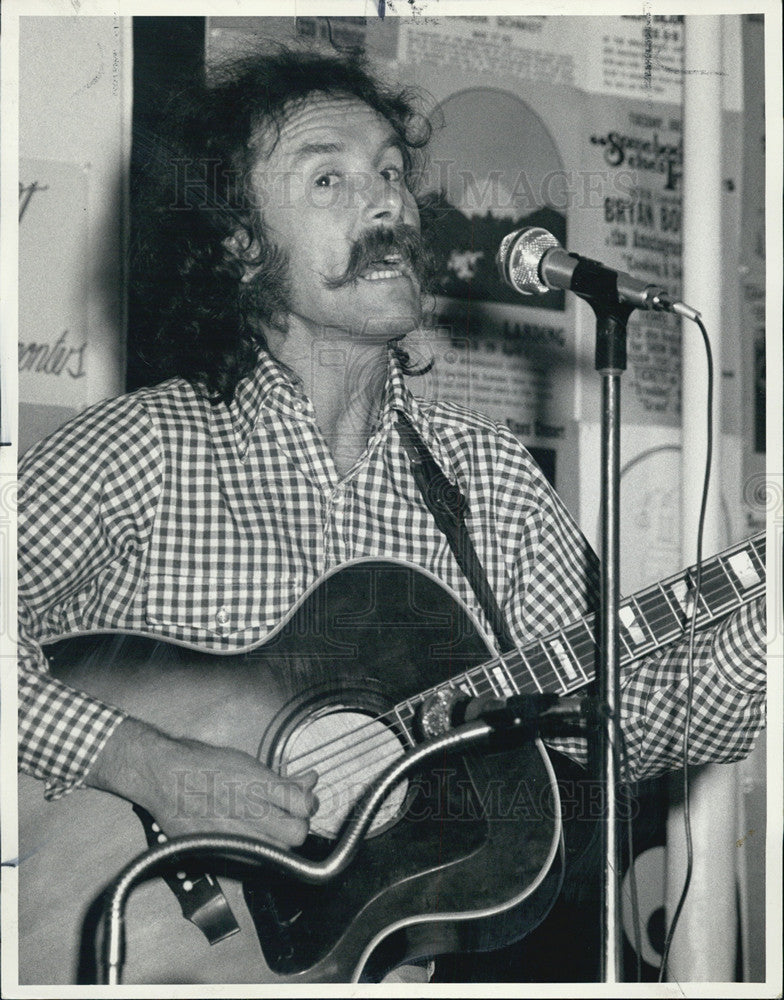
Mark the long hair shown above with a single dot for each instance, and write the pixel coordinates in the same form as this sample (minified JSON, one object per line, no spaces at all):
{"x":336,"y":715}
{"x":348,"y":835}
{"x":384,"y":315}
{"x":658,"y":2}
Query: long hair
{"x":196,"y":218}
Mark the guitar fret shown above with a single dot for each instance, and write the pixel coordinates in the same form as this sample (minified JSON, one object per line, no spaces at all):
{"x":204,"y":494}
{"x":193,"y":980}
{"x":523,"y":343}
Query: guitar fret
{"x":509,"y":680}
{"x":657,"y":615}
{"x":538,"y":664}
{"x":682,"y":594}
{"x":685,"y":593}
{"x":718,"y":610}
{"x":565,"y":655}
{"x":709,"y":593}
{"x":672,"y":607}
{"x":502,"y":678}
{"x":646,"y":619}
{"x":470,"y":682}
{"x":546,"y":668}
{"x":403,"y":725}
{"x":706,"y":606}
{"x":629,"y":620}
{"x":486,"y":685}
{"x":545,"y":686}
{"x":496,"y":691}
{"x":588,"y":628}
{"x":629,"y":651}
{"x":743,"y":568}
{"x":559,"y":653}
{"x":729,"y":574}
{"x":572,"y":642}
{"x":759,"y":555}
{"x":529,"y":678}
{"x":542,"y":679}
{"x":564,"y":660}
{"x":714,"y":585}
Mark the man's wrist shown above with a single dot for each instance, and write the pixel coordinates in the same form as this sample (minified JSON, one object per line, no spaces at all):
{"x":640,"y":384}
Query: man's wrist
{"x":125,"y":764}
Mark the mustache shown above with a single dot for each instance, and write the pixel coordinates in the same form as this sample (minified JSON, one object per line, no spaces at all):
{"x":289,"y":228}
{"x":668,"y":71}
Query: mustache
{"x":376,"y":244}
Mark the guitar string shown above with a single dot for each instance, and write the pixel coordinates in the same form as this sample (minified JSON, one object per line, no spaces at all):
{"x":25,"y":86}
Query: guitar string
{"x":472,"y":676}
{"x":378,"y":739}
{"x":389,"y":717}
{"x":347,"y":757}
{"x":495,"y":663}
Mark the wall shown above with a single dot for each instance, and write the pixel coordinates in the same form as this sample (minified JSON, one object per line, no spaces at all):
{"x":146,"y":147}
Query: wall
{"x":73,"y":151}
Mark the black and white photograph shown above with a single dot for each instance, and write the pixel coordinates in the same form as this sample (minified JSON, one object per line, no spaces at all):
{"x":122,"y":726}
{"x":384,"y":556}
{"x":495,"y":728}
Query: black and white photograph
{"x":389,"y":468}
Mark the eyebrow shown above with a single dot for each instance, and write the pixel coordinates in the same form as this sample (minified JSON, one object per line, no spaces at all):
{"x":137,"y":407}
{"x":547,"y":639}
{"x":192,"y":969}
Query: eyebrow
{"x":309,"y":149}
{"x":317,"y":149}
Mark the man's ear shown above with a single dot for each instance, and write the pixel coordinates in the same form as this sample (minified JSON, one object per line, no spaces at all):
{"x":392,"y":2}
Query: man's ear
{"x":244,"y":251}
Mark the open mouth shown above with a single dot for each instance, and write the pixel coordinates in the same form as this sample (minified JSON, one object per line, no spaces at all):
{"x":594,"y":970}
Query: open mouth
{"x":390,"y":266}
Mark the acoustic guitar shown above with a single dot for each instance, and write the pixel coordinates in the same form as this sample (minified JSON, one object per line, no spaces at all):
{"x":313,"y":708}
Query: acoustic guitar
{"x":465,"y":855}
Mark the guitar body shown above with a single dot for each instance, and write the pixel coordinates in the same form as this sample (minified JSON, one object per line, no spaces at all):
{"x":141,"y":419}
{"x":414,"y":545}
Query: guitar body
{"x":466,"y":857}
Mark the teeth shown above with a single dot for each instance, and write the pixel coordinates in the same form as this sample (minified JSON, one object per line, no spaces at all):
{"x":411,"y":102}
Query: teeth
{"x":378,"y":275}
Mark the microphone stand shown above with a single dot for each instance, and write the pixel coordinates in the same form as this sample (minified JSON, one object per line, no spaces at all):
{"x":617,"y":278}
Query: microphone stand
{"x":598,"y":286}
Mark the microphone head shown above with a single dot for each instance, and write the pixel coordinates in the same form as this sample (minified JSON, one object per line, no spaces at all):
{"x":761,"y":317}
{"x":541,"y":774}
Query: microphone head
{"x":519,"y":257}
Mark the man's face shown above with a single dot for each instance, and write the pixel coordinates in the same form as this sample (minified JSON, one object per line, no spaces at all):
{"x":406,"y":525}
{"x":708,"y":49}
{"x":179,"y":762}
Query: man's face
{"x":335,"y":174}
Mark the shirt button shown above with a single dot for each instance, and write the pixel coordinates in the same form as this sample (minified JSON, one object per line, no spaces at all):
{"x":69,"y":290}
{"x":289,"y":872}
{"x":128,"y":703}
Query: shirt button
{"x":222,"y":620}
{"x":298,"y":405}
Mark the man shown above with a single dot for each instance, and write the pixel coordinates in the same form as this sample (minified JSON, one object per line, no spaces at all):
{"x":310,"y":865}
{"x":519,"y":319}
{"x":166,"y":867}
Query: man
{"x":200,"y":509}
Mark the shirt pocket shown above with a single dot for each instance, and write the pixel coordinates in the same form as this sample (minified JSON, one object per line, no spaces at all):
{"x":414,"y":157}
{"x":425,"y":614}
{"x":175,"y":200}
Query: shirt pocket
{"x":220,"y":605}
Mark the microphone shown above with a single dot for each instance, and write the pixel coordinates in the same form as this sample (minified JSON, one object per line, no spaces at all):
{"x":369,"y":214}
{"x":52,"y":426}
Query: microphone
{"x":532,"y":262}
{"x":530,"y":714}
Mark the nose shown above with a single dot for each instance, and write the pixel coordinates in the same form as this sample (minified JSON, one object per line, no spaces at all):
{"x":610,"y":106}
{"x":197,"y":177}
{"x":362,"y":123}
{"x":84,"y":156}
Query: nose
{"x":384,"y":200}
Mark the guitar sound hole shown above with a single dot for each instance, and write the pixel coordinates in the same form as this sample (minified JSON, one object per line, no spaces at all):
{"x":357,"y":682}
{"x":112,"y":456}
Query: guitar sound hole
{"x":349,"y":749}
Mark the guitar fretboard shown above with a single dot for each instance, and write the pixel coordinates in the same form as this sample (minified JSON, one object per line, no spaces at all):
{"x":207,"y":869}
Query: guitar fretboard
{"x":564,"y":661}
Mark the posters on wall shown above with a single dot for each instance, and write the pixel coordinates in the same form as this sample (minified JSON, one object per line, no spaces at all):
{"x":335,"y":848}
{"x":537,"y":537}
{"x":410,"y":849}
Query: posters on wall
{"x":573,"y":124}
{"x":73,"y":104}
{"x":519,"y":142}
{"x":52,"y":300}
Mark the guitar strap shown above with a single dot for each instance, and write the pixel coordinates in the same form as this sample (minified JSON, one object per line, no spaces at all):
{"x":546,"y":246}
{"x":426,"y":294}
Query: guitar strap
{"x":198,"y":893}
{"x":580,"y":844}
{"x":449,"y":509}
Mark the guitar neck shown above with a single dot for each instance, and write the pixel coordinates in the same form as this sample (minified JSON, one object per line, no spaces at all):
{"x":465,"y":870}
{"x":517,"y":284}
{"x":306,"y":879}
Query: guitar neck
{"x":564,"y":661}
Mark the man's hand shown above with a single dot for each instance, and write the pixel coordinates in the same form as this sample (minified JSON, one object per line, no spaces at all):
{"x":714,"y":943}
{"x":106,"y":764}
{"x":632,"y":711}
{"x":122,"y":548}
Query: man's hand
{"x":193,"y":787}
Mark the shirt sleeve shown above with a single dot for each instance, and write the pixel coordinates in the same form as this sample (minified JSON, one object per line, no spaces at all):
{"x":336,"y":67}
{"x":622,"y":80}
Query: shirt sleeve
{"x":555,"y":581}
{"x":86,"y":501}
{"x":727,"y":703}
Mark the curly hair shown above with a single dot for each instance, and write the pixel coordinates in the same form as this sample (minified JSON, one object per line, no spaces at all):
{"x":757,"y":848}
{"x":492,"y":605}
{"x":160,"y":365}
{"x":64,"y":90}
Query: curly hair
{"x":196,"y":219}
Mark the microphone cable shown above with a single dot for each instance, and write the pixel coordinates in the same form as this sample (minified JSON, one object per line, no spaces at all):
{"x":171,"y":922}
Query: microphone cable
{"x":695,"y":317}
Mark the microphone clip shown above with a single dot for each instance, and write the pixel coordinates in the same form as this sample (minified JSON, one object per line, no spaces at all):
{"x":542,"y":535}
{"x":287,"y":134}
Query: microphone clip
{"x":529,"y":716}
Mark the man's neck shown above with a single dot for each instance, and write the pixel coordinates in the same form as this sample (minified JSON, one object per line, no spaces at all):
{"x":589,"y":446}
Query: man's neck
{"x":344,"y":379}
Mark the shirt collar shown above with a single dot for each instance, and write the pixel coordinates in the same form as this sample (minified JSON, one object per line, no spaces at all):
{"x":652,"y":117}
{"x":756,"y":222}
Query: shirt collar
{"x":398,"y":397}
{"x":271,"y":384}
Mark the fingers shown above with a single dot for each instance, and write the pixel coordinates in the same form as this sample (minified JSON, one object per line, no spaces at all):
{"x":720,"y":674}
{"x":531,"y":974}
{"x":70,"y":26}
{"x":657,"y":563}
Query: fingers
{"x":200,"y":788}
{"x":280,"y":828}
{"x":295,"y":795}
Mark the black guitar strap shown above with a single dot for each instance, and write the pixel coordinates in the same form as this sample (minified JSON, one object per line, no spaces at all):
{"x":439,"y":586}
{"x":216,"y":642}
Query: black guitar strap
{"x":449,"y":509}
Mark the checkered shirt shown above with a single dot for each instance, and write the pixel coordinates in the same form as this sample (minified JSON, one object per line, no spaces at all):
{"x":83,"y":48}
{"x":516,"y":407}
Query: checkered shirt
{"x":159,"y":512}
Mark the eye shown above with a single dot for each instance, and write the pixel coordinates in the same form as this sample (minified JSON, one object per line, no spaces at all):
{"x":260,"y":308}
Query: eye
{"x":328,"y":179}
{"x":393,"y":174}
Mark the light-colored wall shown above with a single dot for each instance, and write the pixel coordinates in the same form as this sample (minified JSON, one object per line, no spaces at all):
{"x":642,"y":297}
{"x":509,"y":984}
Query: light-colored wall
{"x":74,"y":141}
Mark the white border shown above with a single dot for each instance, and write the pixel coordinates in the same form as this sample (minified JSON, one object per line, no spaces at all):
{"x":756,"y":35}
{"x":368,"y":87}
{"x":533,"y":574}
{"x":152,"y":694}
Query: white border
{"x":12,"y":9}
